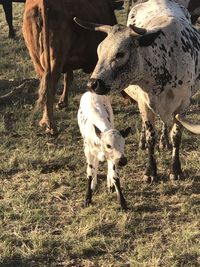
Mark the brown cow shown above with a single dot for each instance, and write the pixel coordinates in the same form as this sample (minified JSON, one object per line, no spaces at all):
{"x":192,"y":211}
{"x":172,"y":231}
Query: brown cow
{"x":7,"y":7}
{"x":57,"y":45}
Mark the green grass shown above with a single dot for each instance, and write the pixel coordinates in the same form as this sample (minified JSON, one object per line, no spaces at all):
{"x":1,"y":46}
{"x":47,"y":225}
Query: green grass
{"x":43,"y":183}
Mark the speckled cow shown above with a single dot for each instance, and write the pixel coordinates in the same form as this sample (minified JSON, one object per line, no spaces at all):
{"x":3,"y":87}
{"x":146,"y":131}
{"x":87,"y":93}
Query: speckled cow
{"x":161,"y":55}
{"x":101,"y":141}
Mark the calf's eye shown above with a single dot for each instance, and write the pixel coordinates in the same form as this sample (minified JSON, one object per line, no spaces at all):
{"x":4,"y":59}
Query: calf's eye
{"x":108,"y":146}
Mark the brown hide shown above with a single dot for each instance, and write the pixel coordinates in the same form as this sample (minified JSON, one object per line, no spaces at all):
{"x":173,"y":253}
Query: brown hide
{"x":69,"y":47}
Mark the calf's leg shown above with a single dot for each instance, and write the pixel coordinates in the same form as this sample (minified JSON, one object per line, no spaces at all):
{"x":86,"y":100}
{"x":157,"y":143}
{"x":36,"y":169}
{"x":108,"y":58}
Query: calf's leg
{"x":92,"y":168}
{"x":113,"y":180}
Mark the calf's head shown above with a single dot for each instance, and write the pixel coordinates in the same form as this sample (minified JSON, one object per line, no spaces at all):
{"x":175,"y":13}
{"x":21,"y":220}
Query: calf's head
{"x":112,"y":145}
{"x":119,"y":56}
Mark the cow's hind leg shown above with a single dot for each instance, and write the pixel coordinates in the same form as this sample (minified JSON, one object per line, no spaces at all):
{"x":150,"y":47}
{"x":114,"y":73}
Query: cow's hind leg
{"x":176,"y":134}
{"x":142,"y":142}
{"x":63,"y":101}
{"x":164,"y":138}
{"x":9,"y":17}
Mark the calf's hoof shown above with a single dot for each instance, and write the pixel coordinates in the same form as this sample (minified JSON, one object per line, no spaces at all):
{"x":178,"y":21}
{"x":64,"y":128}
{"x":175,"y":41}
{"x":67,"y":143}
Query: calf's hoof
{"x":112,"y":189}
{"x":149,"y":179}
{"x":123,"y":204}
{"x":87,"y":203}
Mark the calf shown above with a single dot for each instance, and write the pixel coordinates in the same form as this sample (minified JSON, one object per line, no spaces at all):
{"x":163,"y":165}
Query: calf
{"x":101,"y":141}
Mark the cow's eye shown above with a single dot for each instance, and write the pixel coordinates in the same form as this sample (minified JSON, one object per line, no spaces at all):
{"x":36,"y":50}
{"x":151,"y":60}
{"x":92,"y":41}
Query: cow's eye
{"x":108,"y":146}
{"x":119,"y":55}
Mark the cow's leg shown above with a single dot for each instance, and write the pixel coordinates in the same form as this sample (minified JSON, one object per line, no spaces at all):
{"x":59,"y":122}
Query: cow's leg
{"x":47,"y":122}
{"x":147,"y":115}
{"x":9,"y":17}
{"x":142,"y":142}
{"x":92,"y":168}
{"x":68,"y":78}
{"x":114,"y":181}
{"x":176,"y":134}
{"x":164,"y":138}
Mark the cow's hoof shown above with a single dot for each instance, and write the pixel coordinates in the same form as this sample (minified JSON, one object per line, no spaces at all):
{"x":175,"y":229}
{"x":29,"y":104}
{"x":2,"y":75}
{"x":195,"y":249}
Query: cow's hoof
{"x":149,"y":179}
{"x":175,"y":177}
{"x":164,"y":146}
{"x":61,"y":105}
{"x":48,"y":128}
{"x":142,"y":145}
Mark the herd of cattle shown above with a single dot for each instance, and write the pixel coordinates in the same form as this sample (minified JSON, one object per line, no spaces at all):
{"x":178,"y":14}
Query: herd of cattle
{"x":155,"y":59}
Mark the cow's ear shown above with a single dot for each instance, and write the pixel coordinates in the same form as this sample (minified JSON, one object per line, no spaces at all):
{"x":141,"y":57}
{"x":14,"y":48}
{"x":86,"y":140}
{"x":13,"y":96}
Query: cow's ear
{"x":125,"y":132}
{"x":148,"y":38}
{"x":97,"y":131}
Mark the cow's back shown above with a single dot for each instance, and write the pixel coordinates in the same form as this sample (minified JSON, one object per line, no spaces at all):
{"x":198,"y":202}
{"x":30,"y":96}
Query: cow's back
{"x":71,"y":47}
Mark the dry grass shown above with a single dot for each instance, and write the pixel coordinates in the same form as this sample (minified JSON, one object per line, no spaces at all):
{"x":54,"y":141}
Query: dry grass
{"x":43,"y":182}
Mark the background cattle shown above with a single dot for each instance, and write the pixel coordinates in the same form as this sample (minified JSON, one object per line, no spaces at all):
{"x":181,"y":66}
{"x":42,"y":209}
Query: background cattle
{"x":7,"y":6}
{"x":192,"y":5}
{"x":57,"y":45}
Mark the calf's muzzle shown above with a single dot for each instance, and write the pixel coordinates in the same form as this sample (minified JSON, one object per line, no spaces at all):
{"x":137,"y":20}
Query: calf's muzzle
{"x":98,"y":86}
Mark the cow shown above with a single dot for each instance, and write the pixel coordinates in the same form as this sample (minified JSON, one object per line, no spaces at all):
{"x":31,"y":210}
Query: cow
{"x":57,"y":45}
{"x":161,"y":55}
{"x":7,"y":6}
{"x":192,"y":5}
{"x":101,"y":141}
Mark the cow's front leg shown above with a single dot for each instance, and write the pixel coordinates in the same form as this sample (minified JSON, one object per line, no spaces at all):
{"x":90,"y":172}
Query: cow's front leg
{"x":148,"y":118}
{"x":113,"y":181}
{"x":150,"y":174}
{"x":176,"y":134}
{"x":92,"y":168}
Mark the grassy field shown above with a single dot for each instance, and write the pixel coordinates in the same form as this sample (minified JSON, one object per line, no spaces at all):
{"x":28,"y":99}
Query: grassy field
{"x":43,"y":183}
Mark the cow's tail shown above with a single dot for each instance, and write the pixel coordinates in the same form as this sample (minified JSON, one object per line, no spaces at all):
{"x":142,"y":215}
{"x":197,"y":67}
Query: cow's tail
{"x":45,"y":82}
{"x":194,"y":128}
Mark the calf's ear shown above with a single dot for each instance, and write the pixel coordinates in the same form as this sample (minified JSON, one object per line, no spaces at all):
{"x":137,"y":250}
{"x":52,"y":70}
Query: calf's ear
{"x":125,"y":132}
{"x":148,"y":38}
{"x":97,"y":131}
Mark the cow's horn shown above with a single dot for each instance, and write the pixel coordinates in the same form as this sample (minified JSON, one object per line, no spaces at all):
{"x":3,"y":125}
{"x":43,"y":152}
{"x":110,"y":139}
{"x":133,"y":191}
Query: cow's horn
{"x":194,"y":128}
{"x":140,"y":31}
{"x":93,"y":26}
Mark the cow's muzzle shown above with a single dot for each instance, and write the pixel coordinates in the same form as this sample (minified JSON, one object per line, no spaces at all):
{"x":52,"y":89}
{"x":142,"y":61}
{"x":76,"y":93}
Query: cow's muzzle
{"x":98,"y":86}
{"x":122,"y":162}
